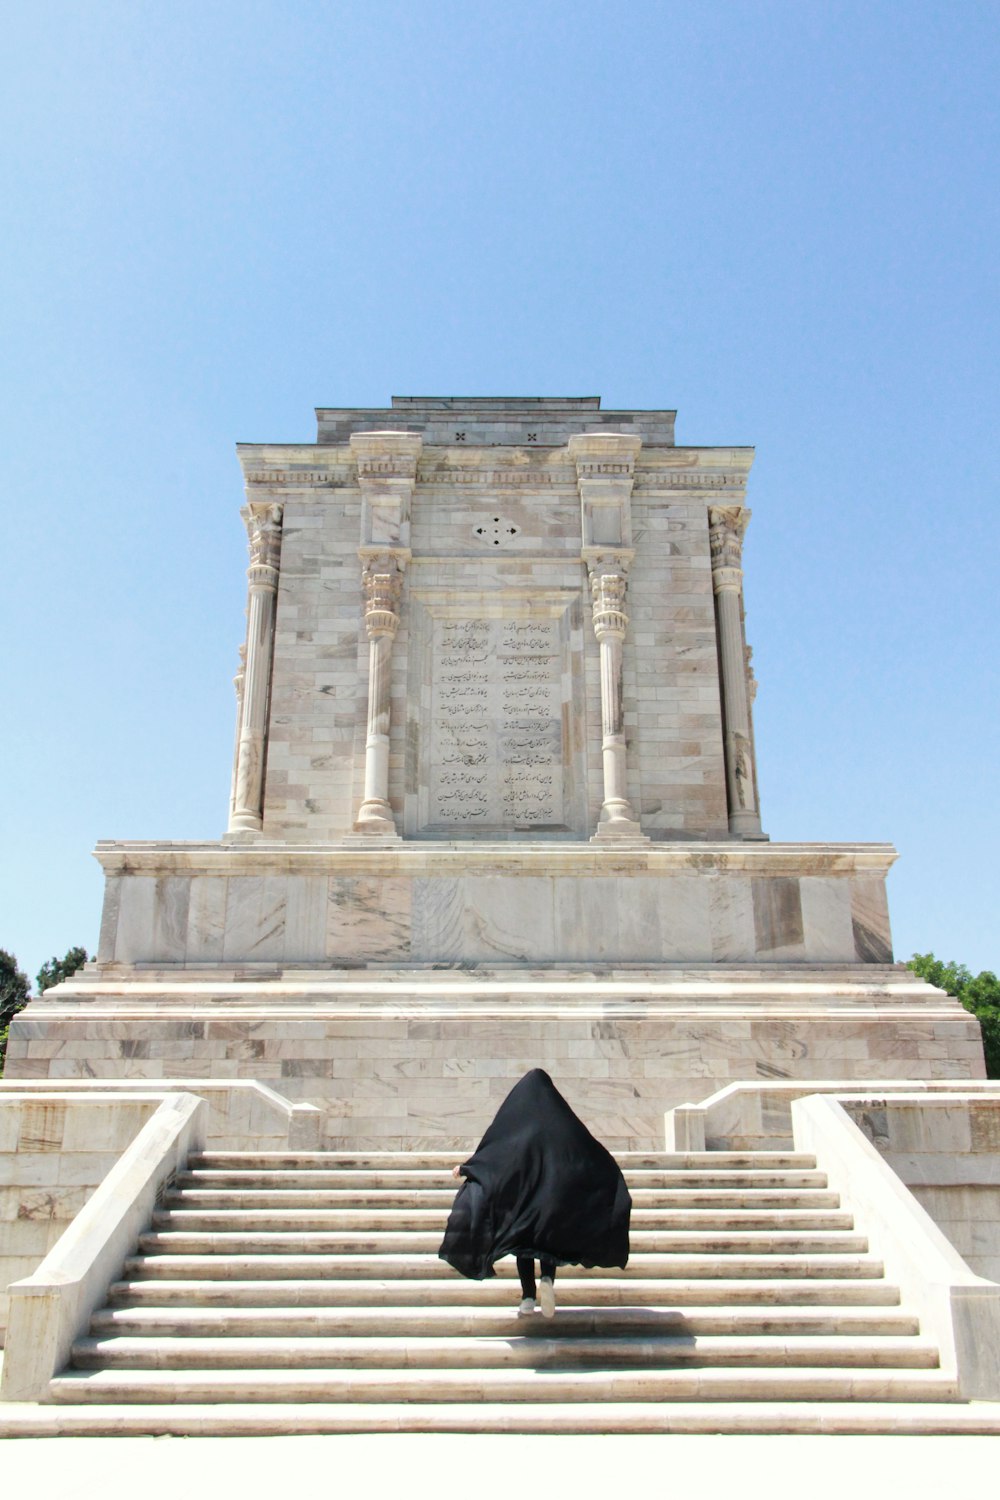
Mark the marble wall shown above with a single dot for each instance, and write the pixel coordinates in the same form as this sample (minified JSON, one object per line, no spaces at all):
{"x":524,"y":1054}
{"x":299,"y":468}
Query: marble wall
{"x":422,"y":1058}
{"x":782,"y":903}
{"x":54,"y":1151}
{"x":494,"y":531}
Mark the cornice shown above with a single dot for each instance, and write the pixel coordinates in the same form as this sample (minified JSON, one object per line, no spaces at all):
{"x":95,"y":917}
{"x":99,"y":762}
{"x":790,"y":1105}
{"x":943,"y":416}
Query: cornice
{"x":722,"y":857}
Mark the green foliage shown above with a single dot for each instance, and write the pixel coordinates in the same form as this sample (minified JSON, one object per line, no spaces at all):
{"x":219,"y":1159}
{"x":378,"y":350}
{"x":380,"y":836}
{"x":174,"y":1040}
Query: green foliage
{"x":979,"y":993}
{"x":13,"y":996}
{"x":60,"y":968}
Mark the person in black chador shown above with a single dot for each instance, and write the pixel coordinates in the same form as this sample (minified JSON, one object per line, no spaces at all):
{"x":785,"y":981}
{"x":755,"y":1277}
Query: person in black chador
{"x":539,"y":1187}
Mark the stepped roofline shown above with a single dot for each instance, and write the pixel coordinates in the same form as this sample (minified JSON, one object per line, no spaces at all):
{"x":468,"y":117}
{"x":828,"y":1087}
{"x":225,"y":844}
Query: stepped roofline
{"x":542,"y":421}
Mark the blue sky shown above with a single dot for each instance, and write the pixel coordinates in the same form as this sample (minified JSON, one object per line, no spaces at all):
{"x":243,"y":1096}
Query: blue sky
{"x":778,"y":216}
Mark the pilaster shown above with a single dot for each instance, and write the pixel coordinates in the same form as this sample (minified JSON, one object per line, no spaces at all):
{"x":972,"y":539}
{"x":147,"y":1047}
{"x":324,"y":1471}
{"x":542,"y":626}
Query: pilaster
{"x":727,"y":527}
{"x":263,"y":523}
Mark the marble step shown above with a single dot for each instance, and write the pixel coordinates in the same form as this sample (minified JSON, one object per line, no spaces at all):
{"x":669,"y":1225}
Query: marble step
{"x":251,"y":1241}
{"x":933,"y":1412}
{"x":243,"y":1266}
{"x":736,"y":1180}
{"x":444,"y":1160}
{"x":236,"y":1322}
{"x":417,"y":1385}
{"x":382,"y":1220}
{"x":386,"y":1198}
{"x":359,"y":1296}
{"x":430,"y":1352}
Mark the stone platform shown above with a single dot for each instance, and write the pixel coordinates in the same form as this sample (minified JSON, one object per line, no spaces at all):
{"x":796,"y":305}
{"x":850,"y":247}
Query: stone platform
{"x":421,"y":1057}
{"x":535,"y":902}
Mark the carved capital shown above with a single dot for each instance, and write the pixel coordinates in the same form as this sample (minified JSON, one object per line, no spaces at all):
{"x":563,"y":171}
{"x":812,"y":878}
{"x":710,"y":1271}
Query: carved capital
{"x":727,"y":527}
{"x":382,"y":587}
{"x":263,"y":522}
{"x":608,"y":591}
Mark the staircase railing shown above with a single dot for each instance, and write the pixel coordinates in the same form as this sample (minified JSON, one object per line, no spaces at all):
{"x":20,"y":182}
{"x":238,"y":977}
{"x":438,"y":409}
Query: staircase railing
{"x":53,"y":1306}
{"x":957,"y":1308}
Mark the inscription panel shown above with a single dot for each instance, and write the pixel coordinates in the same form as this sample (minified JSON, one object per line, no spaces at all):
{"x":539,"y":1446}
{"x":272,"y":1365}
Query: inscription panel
{"x":493,"y":736}
{"x":496,"y":723}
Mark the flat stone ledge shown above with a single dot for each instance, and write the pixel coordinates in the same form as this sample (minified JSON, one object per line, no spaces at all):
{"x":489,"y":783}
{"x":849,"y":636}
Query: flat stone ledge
{"x":979,"y":1418}
{"x":507,"y":858}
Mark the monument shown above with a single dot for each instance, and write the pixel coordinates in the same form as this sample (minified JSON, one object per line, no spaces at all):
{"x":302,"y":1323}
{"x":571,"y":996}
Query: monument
{"x":494,"y":804}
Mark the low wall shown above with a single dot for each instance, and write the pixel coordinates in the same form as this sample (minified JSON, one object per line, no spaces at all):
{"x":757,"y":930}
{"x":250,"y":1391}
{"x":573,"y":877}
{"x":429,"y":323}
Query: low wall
{"x":947,"y":1151}
{"x":54,"y":1150}
{"x":53,"y":1306}
{"x":243,"y":1113}
{"x":941,"y":1139}
{"x":958,"y":1308}
{"x":60,"y":1139}
{"x":757,"y":1116}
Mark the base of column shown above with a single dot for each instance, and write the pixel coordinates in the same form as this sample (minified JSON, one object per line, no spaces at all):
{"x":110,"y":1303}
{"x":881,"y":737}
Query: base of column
{"x":243,"y":823}
{"x":375,"y":817}
{"x":617,"y":822}
{"x":746,"y":825}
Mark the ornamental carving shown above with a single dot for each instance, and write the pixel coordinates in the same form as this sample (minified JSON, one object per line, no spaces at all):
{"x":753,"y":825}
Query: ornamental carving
{"x":382,"y":586}
{"x":751,"y":677}
{"x":241,"y":672}
{"x":303,"y":477}
{"x":608,"y":591}
{"x":727,"y":526}
{"x":263,"y":523}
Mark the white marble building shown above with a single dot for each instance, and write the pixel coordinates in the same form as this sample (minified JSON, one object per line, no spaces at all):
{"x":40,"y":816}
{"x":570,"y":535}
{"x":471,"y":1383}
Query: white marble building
{"x":494,"y":804}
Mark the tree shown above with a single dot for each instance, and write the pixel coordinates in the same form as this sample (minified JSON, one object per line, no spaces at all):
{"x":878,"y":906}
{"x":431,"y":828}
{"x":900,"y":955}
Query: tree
{"x":979,"y":993}
{"x":13,"y":996}
{"x":60,"y":968}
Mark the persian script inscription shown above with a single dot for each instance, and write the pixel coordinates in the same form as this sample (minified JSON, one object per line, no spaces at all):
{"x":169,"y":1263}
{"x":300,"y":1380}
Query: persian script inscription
{"x":497,"y":712}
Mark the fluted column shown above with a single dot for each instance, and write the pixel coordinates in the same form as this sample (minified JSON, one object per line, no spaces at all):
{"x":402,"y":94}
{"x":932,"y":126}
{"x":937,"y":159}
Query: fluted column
{"x":238,"y":681}
{"x":387,"y":476}
{"x":263,"y":522}
{"x":727,"y":525}
{"x":608,"y":583}
{"x":382,"y":581}
{"x":605,"y":473}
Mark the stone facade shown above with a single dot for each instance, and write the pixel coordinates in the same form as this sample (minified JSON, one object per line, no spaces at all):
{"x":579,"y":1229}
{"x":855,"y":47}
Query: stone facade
{"x":487,"y":520}
{"x":494,"y":804}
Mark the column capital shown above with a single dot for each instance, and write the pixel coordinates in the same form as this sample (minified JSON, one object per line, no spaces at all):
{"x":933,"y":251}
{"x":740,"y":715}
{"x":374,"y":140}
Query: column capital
{"x":608,"y":586}
{"x":262,"y":519}
{"x":727,"y":526}
{"x":382,"y":584}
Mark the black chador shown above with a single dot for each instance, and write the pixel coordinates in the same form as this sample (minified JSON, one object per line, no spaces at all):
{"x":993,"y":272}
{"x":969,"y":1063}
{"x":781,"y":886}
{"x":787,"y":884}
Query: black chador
{"x":538,"y":1185}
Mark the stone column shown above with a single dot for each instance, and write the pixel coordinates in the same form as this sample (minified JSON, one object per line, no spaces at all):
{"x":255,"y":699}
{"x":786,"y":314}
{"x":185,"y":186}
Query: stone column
{"x":605,"y":472}
{"x":382,"y":582}
{"x":263,"y":523}
{"x":608,"y":583}
{"x":238,"y":681}
{"x":387,"y":474}
{"x":727,"y":525}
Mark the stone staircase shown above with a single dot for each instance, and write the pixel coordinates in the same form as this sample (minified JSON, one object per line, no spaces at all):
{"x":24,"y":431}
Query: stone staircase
{"x":303,"y":1292}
